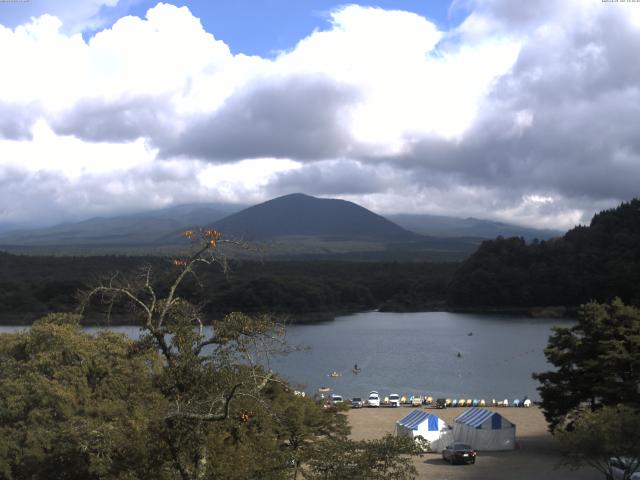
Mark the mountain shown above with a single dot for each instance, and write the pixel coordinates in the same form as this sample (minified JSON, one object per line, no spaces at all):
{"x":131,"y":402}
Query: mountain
{"x":442,"y":226}
{"x":299,"y":215}
{"x":596,"y":262}
{"x":292,"y":226}
{"x":144,"y":228}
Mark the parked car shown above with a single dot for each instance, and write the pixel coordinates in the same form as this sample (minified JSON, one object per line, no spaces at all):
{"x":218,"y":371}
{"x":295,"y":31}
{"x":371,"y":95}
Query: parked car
{"x":618,"y":466}
{"x":394,"y":400}
{"x":416,"y":400}
{"x":374,"y":399}
{"x":357,"y":402}
{"x":459,"y":453}
{"x":336,"y":399}
{"x":441,"y":403}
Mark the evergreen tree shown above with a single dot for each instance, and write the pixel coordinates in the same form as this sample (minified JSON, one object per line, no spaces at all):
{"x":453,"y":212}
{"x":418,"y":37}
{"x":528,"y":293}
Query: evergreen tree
{"x":597,"y":360}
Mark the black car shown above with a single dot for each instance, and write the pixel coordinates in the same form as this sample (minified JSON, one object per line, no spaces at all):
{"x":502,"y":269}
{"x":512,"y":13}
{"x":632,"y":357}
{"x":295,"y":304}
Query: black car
{"x":441,"y":403}
{"x":459,"y":453}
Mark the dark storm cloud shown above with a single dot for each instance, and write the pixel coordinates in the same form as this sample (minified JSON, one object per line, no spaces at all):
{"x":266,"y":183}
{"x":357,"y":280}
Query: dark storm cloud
{"x":122,"y":120}
{"x":295,"y":117}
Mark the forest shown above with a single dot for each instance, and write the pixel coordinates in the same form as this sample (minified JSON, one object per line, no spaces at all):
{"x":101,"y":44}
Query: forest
{"x":596,"y":262}
{"x":31,"y":286}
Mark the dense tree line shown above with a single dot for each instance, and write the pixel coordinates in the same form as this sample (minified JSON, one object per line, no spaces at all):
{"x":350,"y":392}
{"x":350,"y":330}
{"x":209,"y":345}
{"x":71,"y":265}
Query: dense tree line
{"x":31,"y":286}
{"x":596,"y":262}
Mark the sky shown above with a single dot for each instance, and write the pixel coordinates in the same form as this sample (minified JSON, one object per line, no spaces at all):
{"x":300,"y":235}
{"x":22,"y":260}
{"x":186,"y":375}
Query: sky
{"x":522,"y":112}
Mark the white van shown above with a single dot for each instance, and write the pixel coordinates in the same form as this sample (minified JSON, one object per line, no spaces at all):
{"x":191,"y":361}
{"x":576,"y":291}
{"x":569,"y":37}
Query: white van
{"x":374,"y":399}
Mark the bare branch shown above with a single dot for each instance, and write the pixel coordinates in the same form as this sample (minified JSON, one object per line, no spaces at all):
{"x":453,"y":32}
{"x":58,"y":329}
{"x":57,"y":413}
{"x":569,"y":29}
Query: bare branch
{"x":209,"y":417}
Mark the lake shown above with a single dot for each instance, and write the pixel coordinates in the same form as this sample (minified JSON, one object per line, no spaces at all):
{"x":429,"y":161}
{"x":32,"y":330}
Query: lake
{"x":417,"y":353}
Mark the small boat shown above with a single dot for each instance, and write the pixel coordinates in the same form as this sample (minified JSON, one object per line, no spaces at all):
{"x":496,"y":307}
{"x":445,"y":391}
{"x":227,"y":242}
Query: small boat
{"x":459,"y":355}
{"x":356,"y":371}
{"x":469,"y":334}
{"x":324,"y":389}
{"x":334,"y":374}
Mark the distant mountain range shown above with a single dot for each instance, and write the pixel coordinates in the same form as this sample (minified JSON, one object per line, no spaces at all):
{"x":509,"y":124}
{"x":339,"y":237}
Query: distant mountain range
{"x":145,"y":228}
{"x":441,"y":226}
{"x":293,"y":225}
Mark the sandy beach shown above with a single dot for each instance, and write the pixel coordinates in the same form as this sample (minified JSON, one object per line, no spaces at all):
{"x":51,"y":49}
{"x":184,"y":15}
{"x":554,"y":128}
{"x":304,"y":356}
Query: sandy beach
{"x":535,"y":458}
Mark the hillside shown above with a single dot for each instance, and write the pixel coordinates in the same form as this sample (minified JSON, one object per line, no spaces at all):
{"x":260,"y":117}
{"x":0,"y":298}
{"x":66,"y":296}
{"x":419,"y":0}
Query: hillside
{"x":140,"y":229}
{"x":301,"y":215}
{"x":595,"y":262}
{"x":443,"y":226}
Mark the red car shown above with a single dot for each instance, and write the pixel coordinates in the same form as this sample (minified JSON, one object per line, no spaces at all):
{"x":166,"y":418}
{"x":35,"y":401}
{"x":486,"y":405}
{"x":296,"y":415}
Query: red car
{"x":459,"y":453}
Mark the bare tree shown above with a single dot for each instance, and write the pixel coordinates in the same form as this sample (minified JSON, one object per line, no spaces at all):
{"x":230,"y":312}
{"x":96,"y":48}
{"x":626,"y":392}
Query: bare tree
{"x":209,"y":365}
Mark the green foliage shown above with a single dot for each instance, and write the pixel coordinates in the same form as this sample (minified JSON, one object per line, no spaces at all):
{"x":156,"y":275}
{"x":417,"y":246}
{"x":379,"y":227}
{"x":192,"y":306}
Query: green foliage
{"x":389,"y":457}
{"x":598,"y":262}
{"x":75,"y":406}
{"x":80,"y":406}
{"x":597,"y":361}
{"x":595,"y":437}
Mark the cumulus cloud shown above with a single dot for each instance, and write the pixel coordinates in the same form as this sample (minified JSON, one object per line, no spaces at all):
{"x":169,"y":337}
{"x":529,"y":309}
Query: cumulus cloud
{"x":119,"y":120}
{"x":295,"y":117}
{"x":26,"y":195}
{"x":524,"y":114}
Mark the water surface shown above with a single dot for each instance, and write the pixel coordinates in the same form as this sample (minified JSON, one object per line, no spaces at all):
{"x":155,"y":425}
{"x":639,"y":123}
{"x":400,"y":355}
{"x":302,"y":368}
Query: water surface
{"x":416,"y":353}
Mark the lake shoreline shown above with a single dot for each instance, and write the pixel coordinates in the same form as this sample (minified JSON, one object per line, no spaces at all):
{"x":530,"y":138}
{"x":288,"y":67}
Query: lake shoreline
{"x":119,"y":320}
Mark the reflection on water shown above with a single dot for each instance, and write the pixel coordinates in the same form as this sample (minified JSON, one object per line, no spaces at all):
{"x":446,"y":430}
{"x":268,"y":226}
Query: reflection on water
{"x":436,"y":353}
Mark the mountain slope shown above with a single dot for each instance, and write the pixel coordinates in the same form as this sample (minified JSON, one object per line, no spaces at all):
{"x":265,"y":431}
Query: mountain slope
{"x":443,"y":226}
{"x":301,"y":215}
{"x":145,"y":228}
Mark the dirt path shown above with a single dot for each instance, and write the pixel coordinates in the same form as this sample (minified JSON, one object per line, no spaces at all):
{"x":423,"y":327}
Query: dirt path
{"x":535,"y":458}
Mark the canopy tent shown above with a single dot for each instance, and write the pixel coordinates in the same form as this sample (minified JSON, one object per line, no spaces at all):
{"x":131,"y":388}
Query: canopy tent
{"x":427,"y":425}
{"x":484,"y":430}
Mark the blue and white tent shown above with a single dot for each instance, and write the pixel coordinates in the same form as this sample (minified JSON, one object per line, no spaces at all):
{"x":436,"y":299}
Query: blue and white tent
{"x":484,"y":430}
{"x":427,"y":425}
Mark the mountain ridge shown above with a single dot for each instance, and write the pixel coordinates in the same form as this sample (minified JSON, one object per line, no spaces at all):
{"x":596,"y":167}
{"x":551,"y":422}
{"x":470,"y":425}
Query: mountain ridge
{"x":294,"y":225}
